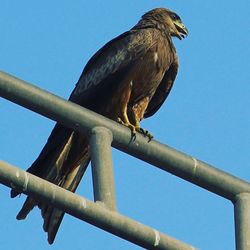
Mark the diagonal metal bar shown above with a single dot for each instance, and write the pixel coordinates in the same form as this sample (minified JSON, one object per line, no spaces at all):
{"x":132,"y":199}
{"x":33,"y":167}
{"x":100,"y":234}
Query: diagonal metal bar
{"x":88,"y":211}
{"x":155,"y":153}
{"x":102,"y":166}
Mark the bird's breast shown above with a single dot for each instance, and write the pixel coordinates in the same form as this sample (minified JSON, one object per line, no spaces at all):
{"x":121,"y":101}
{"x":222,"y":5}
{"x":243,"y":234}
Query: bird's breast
{"x":148,"y":73}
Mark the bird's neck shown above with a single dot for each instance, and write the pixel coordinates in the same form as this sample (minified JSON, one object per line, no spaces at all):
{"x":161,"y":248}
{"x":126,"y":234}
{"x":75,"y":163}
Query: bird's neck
{"x":153,"y":24}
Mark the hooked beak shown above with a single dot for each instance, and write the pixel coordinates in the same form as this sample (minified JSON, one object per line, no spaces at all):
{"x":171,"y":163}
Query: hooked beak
{"x":182,"y":30}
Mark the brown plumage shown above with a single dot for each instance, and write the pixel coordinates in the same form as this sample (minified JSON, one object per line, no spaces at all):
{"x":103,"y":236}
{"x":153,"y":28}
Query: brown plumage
{"x":127,"y":80}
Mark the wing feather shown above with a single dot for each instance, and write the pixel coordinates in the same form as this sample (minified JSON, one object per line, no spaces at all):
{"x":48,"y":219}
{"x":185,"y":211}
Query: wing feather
{"x":163,"y":89}
{"x":112,"y":58}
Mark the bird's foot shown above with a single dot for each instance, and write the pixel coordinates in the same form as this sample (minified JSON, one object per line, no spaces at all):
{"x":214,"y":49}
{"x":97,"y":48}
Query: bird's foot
{"x":135,"y":129}
{"x":130,"y":126}
{"x":145,"y":133}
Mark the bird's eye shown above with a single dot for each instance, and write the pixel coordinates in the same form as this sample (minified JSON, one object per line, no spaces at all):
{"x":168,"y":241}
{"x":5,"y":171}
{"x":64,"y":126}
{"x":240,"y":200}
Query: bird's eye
{"x":175,"y":16}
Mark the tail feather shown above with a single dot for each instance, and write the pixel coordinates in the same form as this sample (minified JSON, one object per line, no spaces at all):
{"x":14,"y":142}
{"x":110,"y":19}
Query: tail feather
{"x":53,"y":216}
{"x":63,"y":162}
{"x":55,"y":221}
{"x":51,"y":153}
{"x":28,"y":205}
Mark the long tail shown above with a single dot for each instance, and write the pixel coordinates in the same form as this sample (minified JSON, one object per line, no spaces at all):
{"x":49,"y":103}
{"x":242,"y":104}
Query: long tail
{"x":63,"y":162}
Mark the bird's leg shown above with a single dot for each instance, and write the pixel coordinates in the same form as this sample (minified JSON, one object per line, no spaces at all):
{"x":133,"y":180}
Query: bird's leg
{"x":136,"y":114}
{"x":136,"y":123}
{"x":142,"y":131}
{"x":121,"y":106}
{"x":123,"y":119}
{"x":129,"y":125}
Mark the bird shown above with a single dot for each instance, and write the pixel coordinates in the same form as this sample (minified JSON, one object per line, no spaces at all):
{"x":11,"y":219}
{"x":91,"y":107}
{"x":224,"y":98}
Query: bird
{"x":127,"y":80}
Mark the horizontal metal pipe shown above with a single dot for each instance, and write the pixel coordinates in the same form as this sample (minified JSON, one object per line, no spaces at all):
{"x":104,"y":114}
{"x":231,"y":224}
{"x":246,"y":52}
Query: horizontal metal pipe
{"x":157,"y":154}
{"x":242,"y":221}
{"x":102,"y":166}
{"x":88,"y":211}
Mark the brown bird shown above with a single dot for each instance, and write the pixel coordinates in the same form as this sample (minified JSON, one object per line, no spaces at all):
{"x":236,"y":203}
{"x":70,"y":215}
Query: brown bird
{"x":127,"y":80}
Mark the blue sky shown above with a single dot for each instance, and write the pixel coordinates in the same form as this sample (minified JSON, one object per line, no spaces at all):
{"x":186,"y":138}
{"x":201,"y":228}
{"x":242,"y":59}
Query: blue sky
{"x":206,"y":115}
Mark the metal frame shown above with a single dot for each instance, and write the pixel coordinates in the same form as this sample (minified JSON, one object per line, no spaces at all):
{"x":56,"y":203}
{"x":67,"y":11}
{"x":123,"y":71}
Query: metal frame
{"x":105,"y":133}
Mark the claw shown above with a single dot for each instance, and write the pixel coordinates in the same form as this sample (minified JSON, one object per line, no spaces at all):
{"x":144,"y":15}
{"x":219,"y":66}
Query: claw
{"x":119,"y":120}
{"x":133,"y":135}
{"x":135,"y":129}
{"x":130,"y":126}
{"x":146,"y":134}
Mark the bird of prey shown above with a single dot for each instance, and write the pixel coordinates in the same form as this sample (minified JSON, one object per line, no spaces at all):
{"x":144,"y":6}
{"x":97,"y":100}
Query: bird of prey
{"x":127,"y":80}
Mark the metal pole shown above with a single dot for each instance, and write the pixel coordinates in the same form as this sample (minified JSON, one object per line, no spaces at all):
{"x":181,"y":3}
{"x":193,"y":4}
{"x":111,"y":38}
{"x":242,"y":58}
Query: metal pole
{"x":242,"y":221}
{"x":88,"y":211}
{"x":153,"y":152}
{"x":102,"y":166}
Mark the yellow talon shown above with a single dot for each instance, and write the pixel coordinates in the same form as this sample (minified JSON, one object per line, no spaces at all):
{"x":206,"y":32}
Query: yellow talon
{"x":128,"y":125}
{"x":135,"y":129}
{"x":146,"y":134}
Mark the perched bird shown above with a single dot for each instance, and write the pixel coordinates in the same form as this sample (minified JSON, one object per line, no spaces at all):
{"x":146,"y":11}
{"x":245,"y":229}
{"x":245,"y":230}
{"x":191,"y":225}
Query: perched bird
{"x":127,"y":80}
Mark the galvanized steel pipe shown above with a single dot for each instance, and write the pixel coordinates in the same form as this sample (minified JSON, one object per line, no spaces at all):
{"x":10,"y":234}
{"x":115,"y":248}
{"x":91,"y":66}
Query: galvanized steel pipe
{"x":88,"y":211}
{"x":242,"y":221}
{"x":102,"y":166}
{"x":160,"y":155}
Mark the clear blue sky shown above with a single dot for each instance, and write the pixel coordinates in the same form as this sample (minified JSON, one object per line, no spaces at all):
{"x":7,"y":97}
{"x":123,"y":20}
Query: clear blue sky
{"x":206,"y":115}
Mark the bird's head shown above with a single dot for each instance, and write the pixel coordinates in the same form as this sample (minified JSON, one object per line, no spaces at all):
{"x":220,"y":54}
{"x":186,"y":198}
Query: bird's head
{"x":167,"y":21}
